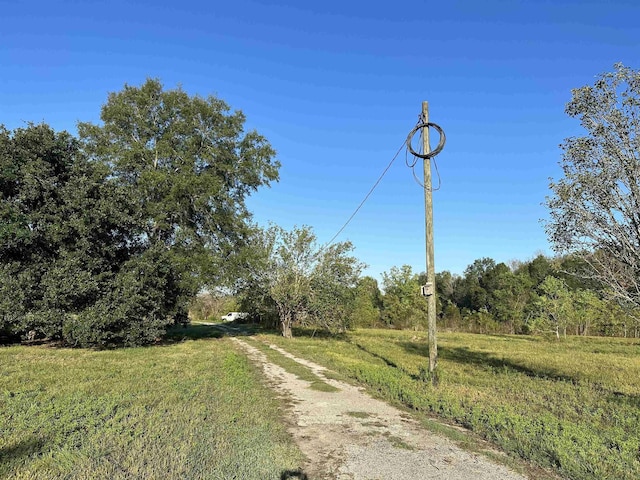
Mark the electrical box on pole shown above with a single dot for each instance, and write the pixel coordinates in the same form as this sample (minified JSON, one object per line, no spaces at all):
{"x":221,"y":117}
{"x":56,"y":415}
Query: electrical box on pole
{"x":427,"y":290}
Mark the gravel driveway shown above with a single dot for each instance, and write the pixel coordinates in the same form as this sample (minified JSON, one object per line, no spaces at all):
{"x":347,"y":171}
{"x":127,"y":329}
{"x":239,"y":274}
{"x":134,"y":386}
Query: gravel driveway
{"x":350,"y":435}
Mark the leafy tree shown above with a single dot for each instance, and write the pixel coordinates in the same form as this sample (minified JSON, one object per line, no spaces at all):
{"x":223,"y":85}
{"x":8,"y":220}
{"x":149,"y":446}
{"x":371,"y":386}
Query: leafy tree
{"x":446,"y":307}
{"x":479,"y":268}
{"x":403,"y":304}
{"x":333,"y":287}
{"x":104,"y":240}
{"x":67,"y":256}
{"x":595,"y":207}
{"x":509,"y":297}
{"x":143,"y":300}
{"x":187,"y":167}
{"x":445,"y":285}
{"x":61,"y":231}
{"x":290,"y":276}
{"x":538,"y":269}
{"x":493,"y":277}
{"x":367,"y":303}
{"x":588,"y":310}
{"x":470,"y":292}
{"x":254,"y":277}
{"x":289,"y":272}
{"x":555,"y":307}
{"x":576,"y":273}
{"x":618,"y":321}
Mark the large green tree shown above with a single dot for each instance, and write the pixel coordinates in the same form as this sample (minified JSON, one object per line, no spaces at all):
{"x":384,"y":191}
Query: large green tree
{"x":63,"y":232}
{"x":105,"y":239}
{"x":187,"y":166}
{"x":595,"y":206}
{"x":509,"y":295}
{"x":367,"y":303}
{"x":471,"y":292}
{"x":555,"y":307}
{"x":333,"y":287}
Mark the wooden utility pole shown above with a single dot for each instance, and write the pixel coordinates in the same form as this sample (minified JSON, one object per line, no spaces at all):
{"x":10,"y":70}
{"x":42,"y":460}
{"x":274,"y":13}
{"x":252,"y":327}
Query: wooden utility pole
{"x":430,"y":288}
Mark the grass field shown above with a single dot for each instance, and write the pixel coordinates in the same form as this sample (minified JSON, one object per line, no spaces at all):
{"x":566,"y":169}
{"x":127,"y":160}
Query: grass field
{"x":188,"y":409}
{"x":194,"y":409}
{"x":570,"y":405}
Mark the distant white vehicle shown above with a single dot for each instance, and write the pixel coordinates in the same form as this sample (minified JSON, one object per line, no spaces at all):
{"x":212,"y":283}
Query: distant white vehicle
{"x":231,"y":316}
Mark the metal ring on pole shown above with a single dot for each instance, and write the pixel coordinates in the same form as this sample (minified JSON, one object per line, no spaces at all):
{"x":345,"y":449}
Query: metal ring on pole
{"x":437,"y":150}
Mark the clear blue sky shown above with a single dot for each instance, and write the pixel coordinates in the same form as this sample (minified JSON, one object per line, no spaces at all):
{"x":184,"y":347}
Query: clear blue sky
{"x":336,"y":86}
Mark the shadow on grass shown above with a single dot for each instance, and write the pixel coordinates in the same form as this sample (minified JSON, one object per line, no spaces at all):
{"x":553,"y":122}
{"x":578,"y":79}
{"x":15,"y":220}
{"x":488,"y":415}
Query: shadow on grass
{"x":376,"y":355}
{"x":319,"y":334}
{"x":390,"y":363}
{"x":6,"y":339}
{"x":190,"y":332}
{"x":287,"y":474}
{"x":463,"y":355}
{"x":201,"y":331}
{"x":16,"y":453}
{"x":485,"y":360}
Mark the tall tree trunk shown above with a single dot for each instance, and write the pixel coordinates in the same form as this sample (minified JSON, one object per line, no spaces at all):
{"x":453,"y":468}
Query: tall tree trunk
{"x":286,"y":326}
{"x":286,"y":319}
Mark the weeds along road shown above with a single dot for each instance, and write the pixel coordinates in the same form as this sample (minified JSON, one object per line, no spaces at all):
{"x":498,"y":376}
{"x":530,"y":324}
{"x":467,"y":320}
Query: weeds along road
{"x":346,"y":434}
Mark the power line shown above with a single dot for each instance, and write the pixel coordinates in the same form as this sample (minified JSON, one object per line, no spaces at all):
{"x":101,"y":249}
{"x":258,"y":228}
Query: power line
{"x":366,"y":197}
{"x":406,"y":144}
{"x":431,"y":155}
{"x":412,"y":165}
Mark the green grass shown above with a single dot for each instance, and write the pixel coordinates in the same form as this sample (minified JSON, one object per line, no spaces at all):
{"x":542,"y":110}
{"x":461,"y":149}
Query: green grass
{"x":293,"y":367}
{"x":572,"y":405}
{"x":359,"y":414}
{"x":191,"y":409}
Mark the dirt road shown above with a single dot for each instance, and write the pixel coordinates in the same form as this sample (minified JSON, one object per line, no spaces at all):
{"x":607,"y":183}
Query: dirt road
{"x":349,"y":435}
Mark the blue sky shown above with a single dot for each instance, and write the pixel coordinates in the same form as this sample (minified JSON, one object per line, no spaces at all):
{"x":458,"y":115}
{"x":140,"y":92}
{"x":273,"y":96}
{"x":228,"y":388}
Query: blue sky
{"x":336,"y":87}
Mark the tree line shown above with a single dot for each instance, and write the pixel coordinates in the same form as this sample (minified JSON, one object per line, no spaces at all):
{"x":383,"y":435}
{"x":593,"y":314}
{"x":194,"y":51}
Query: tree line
{"x":542,"y":296}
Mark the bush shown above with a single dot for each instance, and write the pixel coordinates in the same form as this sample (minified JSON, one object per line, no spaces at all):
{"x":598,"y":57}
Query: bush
{"x":142,"y":302}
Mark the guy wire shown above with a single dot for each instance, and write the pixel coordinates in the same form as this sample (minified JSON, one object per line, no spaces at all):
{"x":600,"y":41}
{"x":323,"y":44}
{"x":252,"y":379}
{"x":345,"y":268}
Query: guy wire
{"x":409,"y":164}
{"x":366,"y":197}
